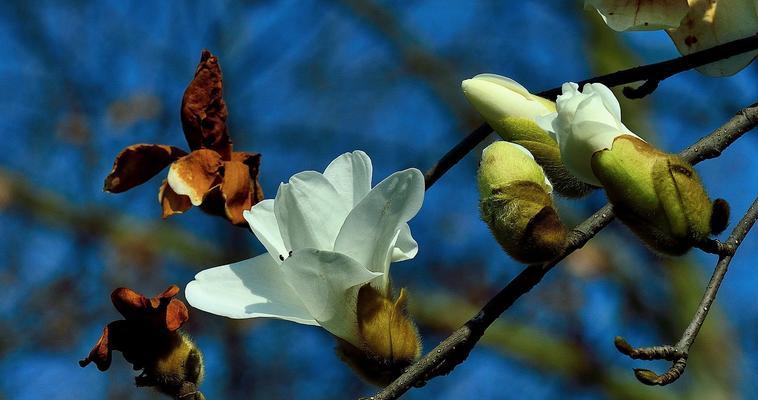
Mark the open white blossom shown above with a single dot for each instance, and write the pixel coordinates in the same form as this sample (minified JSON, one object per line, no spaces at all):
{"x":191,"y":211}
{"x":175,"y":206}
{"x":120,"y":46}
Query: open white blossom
{"x":585,"y":122}
{"x":622,"y":15}
{"x":326,"y":235}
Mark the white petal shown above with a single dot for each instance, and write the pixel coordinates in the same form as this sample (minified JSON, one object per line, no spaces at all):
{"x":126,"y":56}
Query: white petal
{"x":350,"y":174}
{"x":494,"y":101}
{"x":369,"y":231}
{"x":405,"y":246}
{"x":263,"y":223}
{"x":622,"y":15}
{"x":606,"y":95}
{"x":709,"y":23}
{"x":327,"y":282}
{"x":247,"y":289}
{"x":309,"y":211}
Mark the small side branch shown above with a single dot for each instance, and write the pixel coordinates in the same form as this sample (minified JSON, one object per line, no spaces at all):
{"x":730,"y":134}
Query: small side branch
{"x":649,"y":73}
{"x":455,"y":348}
{"x":679,"y":352}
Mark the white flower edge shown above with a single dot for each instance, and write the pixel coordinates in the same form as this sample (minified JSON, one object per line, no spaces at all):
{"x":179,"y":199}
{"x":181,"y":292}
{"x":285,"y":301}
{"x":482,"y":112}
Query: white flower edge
{"x":585,"y":122}
{"x":623,"y":15}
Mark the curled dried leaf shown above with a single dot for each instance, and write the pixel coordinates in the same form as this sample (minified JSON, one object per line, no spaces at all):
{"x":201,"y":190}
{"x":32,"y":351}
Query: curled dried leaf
{"x":171,"y":202}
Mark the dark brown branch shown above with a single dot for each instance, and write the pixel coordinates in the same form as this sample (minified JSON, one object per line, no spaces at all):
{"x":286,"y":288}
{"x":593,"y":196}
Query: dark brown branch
{"x":655,"y":72}
{"x":678,"y":353}
{"x":455,"y":349}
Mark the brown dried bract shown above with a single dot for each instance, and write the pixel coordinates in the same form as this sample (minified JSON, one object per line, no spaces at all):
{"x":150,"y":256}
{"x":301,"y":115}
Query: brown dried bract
{"x":204,"y":110}
{"x":148,"y":325}
{"x":138,"y":163}
{"x":222,"y":182}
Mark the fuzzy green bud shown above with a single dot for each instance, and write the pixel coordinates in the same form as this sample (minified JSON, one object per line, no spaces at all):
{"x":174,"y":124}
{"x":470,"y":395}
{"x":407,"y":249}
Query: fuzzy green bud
{"x":515,"y":203}
{"x":390,"y":340}
{"x":658,"y":195}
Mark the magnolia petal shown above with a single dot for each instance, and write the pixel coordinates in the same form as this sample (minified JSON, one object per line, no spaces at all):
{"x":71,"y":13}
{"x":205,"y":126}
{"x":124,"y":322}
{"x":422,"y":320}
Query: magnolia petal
{"x":622,"y":15}
{"x":710,"y":23}
{"x":172,"y":203}
{"x":327,"y":283}
{"x":195,"y":174}
{"x":247,"y":289}
{"x":350,"y":174}
{"x":405,"y":247}
{"x":237,"y":191}
{"x":369,"y":231}
{"x":138,"y":163}
{"x":263,"y":223}
{"x":495,"y":100}
{"x":309,"y":211}
{"x":610,"y":102}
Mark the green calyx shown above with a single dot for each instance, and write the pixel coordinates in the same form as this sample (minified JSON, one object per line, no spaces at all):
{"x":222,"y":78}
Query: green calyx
{"x":658,"y":195}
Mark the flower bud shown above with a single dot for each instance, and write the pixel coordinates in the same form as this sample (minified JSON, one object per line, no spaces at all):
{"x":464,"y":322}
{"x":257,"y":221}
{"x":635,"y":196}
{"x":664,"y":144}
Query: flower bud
{"x":512,"y":112}
{"x":516,"y":204}
{"x":658,"y":195}
{"x":390,"y":340}
{"x":175,"y":370}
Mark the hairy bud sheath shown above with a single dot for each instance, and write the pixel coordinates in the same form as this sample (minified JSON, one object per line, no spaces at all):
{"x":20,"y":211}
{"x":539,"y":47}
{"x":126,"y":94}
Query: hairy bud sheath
{"x":658,"y":195}
{"x":515,"y":203}
{"x":175,"y":370}
{"x":390,"y":339}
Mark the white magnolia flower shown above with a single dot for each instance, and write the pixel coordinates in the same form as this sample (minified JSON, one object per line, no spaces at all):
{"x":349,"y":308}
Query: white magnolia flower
{"x":497,"y":97}
{"x":586,"y":122}
{"x":326,"y":235}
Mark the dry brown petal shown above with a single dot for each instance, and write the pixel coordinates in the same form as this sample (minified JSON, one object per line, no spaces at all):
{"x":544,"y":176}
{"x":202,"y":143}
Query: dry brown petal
{"x":253,"y":162}
{"x":204,"y":110}
{"x":139,"y":162}
{"x":171,"y":202}
{"x":176,"y":314}
{"x":195,"y":174}
{"x":237,"y":190}
{"x":101,"y":353}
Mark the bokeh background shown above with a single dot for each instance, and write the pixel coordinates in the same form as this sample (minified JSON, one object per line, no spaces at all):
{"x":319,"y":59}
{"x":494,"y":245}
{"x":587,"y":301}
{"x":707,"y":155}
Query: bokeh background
{"x":306,"y":80}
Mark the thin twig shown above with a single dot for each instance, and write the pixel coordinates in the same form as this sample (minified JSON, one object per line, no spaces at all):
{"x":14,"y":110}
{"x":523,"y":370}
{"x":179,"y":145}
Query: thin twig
{"x":658,"y":71}
{"x":678,"y":353}
{"x":455,"y":349}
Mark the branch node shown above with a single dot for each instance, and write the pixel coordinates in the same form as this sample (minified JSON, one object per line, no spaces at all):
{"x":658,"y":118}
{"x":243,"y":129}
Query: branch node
{"x":715,"y":246}
{"x":641,"y":91}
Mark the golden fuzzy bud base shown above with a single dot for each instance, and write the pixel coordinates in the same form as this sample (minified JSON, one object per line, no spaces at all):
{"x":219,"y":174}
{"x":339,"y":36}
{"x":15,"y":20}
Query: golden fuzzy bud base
{"x":525,"y":224}
{"x":390,"y":340}
{"x":176,"y":370}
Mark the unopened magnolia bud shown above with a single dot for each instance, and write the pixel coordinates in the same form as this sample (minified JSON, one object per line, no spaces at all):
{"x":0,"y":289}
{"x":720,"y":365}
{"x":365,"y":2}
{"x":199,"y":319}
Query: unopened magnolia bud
{"x":516,"y":204}
{"x":390,"y":340}
{"x":176,"y":370}
{"x":658,"y":195}
{"x":512,"y":111}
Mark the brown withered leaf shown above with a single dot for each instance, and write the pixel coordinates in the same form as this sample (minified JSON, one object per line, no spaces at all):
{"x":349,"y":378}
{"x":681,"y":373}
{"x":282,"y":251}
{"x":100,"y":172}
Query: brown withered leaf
{"x":195,"y":174}
{"x":138,"y":163}
{"x":253,"y":162}
{"x":172,"y":203}
{"x":204,"y":111}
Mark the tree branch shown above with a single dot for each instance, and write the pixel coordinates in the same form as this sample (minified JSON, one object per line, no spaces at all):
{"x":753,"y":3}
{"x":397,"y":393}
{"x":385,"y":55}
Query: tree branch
{"x":679,"y":352}
{"x":455,"y":349}
{"x":656,"y":72}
